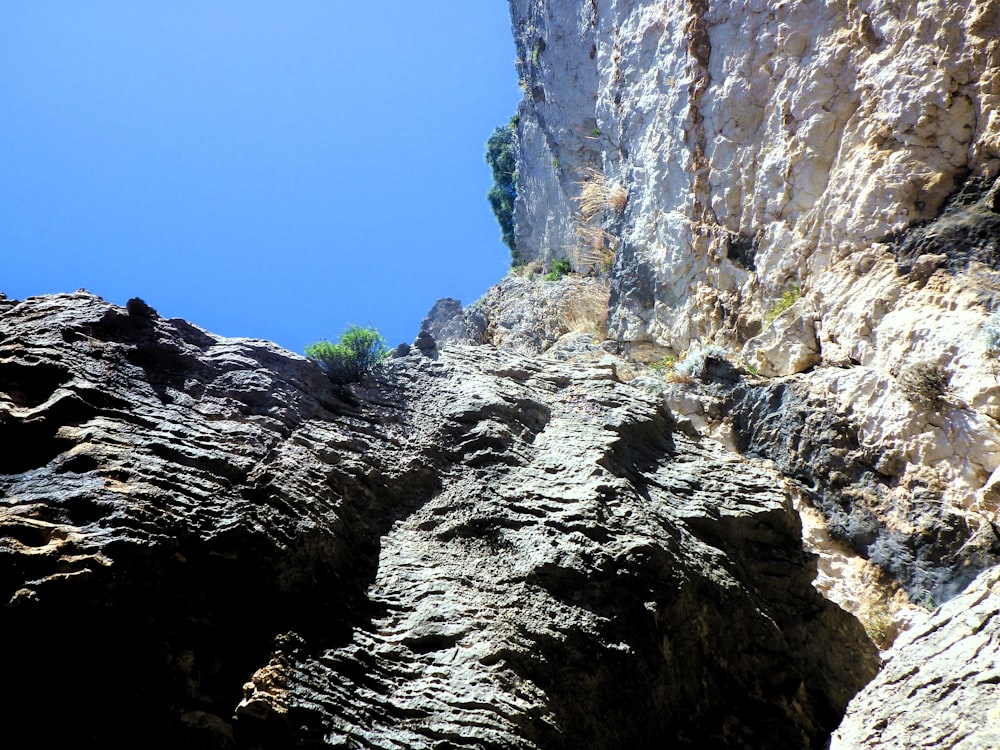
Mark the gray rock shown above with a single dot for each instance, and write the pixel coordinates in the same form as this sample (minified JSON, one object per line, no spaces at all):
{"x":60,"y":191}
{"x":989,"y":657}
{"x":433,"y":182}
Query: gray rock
{"x":940,"y":687}
{"x":788,"y":346}
{"x":474,"y":550}
{"x":923,"y":546}
{"x":555,"y":145}
{"x":967,"y":231}
{"x":527,"y":315}
{"x":424,"y":342}
{"x":445,"y":322}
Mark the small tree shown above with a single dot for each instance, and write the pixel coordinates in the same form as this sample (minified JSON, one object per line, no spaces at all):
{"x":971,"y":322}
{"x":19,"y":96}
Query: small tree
{"x":502,"y":159}
{"x":358,"y":352}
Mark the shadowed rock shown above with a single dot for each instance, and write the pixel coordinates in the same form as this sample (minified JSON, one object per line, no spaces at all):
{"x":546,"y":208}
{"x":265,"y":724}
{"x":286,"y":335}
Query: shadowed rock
{"x":940,"y":687}
{"x":203,"y":543}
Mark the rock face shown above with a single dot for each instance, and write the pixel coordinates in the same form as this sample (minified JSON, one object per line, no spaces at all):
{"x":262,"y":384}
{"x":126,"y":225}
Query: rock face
{"x":524,"y":315}
{"x":845,"y":154}
{"x":941,"y":685}
{"x":758,"y":142}
{"x":494,"y":542}
{"x":205,"y":544}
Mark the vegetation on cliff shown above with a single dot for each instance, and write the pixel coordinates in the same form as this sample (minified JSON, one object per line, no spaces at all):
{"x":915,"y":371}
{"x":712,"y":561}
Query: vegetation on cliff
{"x":500,"y":157}
{"x":357,"y":352}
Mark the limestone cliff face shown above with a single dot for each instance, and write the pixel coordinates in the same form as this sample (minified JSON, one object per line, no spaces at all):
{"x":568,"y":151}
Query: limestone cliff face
{"x":941,"y":686}
{"x":840,"y":158}
{"x":205,"y":544}
{"x":841,"y":154}
{"x":759,"y":142}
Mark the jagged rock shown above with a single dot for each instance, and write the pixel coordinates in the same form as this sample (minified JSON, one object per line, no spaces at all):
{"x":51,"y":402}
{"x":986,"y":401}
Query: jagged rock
{"x":966,"y":232}
{"x":852,"y":151}
{"x":804,"y":131}
{"x":940,"y":687}
{"x":789,"y":345}
{"x":474,"y":550}
{"x":524,"y":315}
{"x":446,"y":324}
{"x":885,"y":473}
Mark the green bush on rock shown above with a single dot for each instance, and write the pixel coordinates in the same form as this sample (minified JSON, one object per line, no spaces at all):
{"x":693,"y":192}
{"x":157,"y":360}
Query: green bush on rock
{"x":787,"y":299}
{"x":357,"y":352}
{"x":503,"y":161}
{"x":560,"y":268}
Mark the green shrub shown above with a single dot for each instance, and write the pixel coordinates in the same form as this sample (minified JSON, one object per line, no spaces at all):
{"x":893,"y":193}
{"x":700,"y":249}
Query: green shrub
{"x":358,"y":352}
{"x":560,"y":268}
{"x":502,"y":160}
{"x":663,"y":367}
{"x":787,"y":299}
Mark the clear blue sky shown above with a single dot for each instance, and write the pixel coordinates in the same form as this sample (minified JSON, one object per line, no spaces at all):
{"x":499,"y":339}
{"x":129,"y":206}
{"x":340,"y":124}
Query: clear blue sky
{"x":267,"y":169}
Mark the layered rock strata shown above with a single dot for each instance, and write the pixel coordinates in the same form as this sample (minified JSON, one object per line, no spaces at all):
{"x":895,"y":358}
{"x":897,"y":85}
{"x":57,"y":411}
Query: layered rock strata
{"x":810,"y":187}
{"x":941,"y":685}
{"x":206,"y":544}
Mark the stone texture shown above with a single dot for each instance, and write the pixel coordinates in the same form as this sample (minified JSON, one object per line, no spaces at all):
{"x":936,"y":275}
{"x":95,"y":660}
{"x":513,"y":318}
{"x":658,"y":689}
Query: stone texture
{"x":556,"y":142}
{"x":524,"y":314}
{"x":445,"y":323}
{"x":788,"y":346}
{"x":758,"y":142}
{"x":204,"y":543}
{"x":851,"y":149}
{"x":940,"y":687}
{"x":906,"y":487}
{"x":967,"y":232}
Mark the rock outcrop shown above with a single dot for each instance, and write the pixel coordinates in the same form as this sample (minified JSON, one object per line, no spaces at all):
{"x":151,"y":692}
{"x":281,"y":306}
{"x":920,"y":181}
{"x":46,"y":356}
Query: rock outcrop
{"x":523,"y":315}
{"x":810,"y":189}
{"x":841,"y":156}
{"x":204,"y":543}
{"x":511,"y":536}
{"x":941,"y":685}
{"x":759,"y":143}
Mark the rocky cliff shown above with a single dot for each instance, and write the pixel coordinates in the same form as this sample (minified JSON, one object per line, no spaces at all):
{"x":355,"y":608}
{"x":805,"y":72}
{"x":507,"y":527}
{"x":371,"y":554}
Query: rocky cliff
{"x":518,"y":533}
{"x":808,"y":192}
{"x":207,"y":544}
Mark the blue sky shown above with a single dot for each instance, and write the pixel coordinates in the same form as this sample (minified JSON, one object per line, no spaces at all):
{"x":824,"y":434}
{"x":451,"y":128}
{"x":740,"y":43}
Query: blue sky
{"x":267,"y":169}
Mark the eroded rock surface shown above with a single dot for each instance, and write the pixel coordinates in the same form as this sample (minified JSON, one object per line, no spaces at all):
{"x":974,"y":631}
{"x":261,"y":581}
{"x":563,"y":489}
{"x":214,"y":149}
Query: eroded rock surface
{"x":472,"y":549}
{"x":758,"y":143}
{"x":843,"y":154}
{"x":523,"y":315}
{"x":940,"y":687}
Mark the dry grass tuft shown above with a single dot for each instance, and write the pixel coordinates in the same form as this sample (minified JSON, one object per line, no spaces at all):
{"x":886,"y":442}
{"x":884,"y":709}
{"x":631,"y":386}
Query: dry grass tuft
{"x":617,"y":198}
{"x":926,"y":384}
{"x":596,"y":248}
{"x":598,"y":193}
{"x":527,"y":270}
{"x":586,"y":309}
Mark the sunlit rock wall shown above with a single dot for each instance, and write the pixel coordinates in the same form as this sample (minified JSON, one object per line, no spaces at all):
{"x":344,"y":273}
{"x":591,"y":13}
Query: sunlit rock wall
{"x":759,"y":142}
